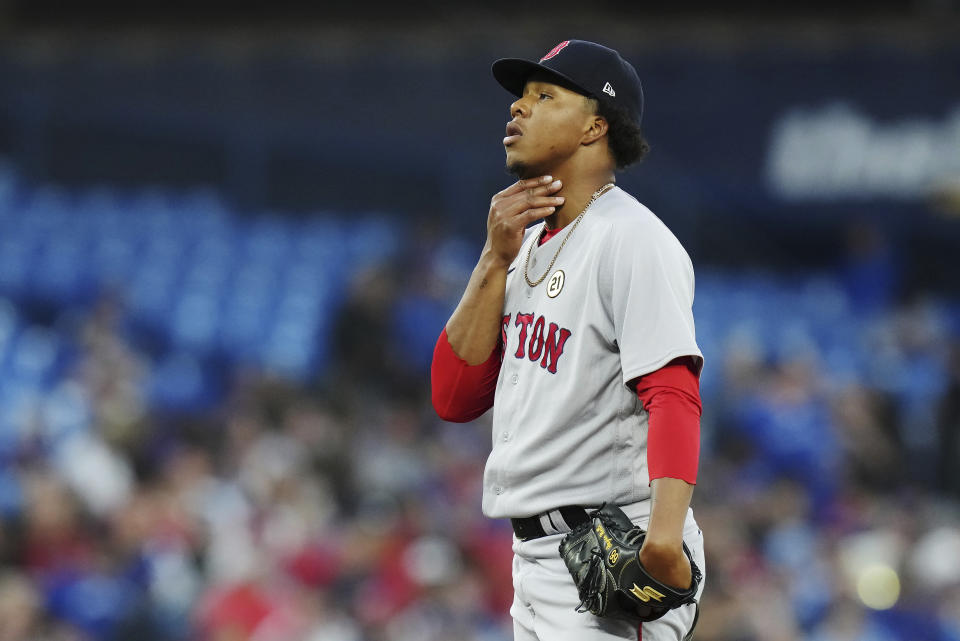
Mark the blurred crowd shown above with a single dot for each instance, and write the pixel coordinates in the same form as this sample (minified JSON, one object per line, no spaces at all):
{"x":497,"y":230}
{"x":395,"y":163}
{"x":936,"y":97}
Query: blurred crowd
{"x":343,"y":509}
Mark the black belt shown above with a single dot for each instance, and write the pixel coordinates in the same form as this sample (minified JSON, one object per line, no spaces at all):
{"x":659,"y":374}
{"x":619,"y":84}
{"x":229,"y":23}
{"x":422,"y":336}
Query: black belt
{"x":556,"y":521}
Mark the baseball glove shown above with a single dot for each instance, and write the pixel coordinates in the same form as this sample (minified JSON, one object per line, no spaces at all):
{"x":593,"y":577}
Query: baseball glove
{"x":602,"y":556}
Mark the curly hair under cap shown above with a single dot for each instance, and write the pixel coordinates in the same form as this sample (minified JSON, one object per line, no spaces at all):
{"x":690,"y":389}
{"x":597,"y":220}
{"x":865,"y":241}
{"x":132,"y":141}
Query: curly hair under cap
{"x":624,"y":137}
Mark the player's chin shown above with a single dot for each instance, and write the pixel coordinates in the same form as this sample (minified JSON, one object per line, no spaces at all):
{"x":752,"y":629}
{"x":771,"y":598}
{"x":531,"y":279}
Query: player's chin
{"x":517,"y":168}
{"x":517,"y":165}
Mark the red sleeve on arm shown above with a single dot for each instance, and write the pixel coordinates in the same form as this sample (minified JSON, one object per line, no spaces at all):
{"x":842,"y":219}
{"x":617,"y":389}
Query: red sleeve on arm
{"x":671,"y":396}
{"x":462,"y":392}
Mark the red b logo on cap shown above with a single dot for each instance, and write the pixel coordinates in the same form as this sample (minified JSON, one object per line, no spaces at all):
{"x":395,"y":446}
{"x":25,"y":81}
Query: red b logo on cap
{"x":555,"y":50}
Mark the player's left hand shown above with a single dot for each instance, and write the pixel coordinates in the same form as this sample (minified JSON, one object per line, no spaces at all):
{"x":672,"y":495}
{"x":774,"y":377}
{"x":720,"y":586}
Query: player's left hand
{"x":667,"y":564}
{"x":603,"y":557}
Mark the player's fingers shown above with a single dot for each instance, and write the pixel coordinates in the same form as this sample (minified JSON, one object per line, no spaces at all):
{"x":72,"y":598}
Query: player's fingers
{"x":515,"y":212}
{"x":531,"y":195}
{"x":525,"y":184}
{"x":521,"y":216}
{"x":528,"y":195}
{"x":522,"y":203}
{"x":534,"y":214}
{"x":549,"y":188}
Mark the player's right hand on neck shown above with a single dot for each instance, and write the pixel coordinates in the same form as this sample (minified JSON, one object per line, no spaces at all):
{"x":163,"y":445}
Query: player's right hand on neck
{"x":512,"y":209}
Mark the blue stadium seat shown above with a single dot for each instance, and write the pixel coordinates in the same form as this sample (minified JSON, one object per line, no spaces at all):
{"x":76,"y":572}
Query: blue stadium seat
{"x":266,"y":290}
{"x":34,"y":356}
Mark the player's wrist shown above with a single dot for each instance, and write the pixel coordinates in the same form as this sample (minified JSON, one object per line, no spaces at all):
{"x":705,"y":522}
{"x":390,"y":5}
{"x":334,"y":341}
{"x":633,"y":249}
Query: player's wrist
{"x":667,"y":564}
{"x":663,"y":547}
{"x":492,"y":261}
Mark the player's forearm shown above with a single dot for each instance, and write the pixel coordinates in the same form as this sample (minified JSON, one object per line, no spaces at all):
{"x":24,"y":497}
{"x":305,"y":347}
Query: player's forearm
{"x":474,"y":327}
{"x":669,"y":503}
{"x":662,"y":552}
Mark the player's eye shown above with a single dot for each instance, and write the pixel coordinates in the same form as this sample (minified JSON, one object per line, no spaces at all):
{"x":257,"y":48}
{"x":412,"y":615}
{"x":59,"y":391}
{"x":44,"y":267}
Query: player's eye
{"x":544,"y":96}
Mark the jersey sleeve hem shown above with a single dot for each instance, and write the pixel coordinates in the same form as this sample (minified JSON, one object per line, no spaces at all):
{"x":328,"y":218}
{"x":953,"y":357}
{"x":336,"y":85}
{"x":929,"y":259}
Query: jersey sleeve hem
{"x":638,"y":371}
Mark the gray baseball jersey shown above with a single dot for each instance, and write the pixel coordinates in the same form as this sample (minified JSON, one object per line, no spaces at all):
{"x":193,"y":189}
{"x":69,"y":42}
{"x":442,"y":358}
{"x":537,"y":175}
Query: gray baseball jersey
{"x":616,"y":305}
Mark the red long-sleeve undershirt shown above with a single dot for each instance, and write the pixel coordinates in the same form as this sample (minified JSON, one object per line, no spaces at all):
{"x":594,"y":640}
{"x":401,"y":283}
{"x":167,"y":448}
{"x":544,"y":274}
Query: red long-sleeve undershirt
{"x":671,"y":396}
{"x":462,"y":392}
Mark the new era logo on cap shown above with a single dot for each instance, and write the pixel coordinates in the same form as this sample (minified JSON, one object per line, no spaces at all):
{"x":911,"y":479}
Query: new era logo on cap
{"x":607,"y":89}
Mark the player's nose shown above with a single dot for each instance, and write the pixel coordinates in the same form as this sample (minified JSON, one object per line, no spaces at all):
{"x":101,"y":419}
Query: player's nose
{"x":518,"y":108}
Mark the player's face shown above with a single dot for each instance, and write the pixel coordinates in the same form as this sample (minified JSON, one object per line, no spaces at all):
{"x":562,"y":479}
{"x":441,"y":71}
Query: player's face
{"x":548,"y":126}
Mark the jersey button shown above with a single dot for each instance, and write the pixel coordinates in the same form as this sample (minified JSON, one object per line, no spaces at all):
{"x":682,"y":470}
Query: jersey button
{"x":529,"y":293}
{"x":506,"y":436}
{"x":498,"y":490}
{"x":514,"y":379}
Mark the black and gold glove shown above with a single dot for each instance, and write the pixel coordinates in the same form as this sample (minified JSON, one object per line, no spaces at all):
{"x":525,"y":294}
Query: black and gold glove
{"x":602,"y":556}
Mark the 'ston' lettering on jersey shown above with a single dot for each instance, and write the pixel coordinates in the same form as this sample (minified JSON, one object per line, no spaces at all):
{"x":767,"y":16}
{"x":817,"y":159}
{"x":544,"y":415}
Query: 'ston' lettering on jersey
{"x":537,"y":339}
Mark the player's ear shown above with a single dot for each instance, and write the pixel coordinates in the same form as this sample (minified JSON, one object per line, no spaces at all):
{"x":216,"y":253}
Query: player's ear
{"x":597,"y":128}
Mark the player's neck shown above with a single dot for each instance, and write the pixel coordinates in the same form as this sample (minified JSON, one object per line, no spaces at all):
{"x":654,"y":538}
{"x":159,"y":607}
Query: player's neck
{"x":577,"y":191}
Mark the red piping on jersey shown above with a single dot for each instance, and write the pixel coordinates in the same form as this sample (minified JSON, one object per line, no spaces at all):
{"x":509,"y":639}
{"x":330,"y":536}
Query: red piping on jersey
{"x":462,"y":392}
{"x":671,"y":396}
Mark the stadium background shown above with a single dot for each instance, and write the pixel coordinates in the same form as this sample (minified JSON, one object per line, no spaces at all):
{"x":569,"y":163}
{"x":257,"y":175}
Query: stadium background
{"x":229,"y":236}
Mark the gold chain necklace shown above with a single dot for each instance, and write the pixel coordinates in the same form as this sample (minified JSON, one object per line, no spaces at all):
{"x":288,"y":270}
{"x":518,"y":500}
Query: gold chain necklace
{"x":576,"y":222}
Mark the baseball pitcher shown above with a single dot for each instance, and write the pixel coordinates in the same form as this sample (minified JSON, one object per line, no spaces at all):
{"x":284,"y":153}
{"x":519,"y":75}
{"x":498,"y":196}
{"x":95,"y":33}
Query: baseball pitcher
{"x":576,"y":327}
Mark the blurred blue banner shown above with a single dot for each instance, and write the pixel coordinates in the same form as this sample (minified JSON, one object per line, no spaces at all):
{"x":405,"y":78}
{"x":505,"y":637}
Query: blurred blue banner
{"x":745,"y":130}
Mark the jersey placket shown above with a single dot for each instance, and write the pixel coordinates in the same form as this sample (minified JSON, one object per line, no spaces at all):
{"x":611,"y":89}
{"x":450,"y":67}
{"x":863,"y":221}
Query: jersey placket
{"x":516,"y":379}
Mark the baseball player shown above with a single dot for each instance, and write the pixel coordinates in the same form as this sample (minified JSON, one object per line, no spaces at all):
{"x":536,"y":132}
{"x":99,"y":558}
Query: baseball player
{"x":578,"y":331}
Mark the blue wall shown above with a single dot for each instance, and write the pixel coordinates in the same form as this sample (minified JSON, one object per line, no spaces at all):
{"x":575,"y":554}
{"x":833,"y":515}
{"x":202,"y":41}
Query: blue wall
{"x":745,"y":143}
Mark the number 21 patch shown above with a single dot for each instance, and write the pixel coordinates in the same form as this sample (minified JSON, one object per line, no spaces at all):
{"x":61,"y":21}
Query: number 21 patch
{"x":555,"y":284}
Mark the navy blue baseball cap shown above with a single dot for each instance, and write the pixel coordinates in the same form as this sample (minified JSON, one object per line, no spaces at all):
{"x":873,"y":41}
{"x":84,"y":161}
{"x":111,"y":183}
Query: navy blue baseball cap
{"x":585,"y":67}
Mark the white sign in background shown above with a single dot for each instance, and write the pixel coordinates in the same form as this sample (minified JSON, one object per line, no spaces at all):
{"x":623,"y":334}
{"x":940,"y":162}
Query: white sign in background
{"x":839,"y":152}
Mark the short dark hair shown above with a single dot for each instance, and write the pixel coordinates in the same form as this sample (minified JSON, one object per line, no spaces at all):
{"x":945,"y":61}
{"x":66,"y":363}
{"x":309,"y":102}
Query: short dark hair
{"x":624,"y":137}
